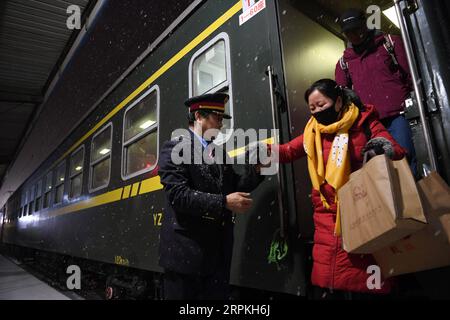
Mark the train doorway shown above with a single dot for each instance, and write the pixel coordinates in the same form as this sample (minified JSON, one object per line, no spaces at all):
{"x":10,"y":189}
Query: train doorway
{"x":310,"y":53}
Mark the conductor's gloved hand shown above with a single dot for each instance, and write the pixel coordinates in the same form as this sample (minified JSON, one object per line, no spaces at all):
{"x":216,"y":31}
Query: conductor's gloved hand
{"x":377,"y":146}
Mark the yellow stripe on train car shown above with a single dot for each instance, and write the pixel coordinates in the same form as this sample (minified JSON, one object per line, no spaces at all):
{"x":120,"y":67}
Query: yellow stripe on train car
{"x":126,"y":192}
{"x":150,"y":185}
{"x":105,"y":198}
{"x":239,"y":151}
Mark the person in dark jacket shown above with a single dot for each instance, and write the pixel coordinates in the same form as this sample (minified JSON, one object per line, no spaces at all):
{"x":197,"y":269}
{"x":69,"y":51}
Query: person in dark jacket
{"x":375,"y":66}
{"x":196,"y":237}
{"x":339,"y":131}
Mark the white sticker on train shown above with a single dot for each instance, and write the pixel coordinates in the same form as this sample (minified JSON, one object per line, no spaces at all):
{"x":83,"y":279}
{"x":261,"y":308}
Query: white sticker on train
{"x":250,"y":9}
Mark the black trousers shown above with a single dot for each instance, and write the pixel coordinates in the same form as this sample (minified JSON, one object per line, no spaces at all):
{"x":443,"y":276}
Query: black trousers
{"x":178,"y":286}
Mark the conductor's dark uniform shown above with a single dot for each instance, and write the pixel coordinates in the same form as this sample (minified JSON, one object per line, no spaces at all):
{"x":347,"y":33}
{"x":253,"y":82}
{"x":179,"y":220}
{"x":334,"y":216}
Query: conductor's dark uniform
{"x":196,"y":237}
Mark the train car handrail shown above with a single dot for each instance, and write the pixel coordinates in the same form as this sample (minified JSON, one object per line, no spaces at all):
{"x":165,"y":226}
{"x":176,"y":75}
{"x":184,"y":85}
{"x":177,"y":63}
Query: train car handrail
{"x":275,"y":123}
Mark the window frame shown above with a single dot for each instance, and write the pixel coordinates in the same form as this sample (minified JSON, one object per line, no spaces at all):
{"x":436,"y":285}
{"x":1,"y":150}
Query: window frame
{"x":37,"y":196}
{"x":24,"y":203}
{"x":31,"y":200}
{"x":76,"y":174}
{"x":49,"y":193}
{"x":62,"y":163}
{"x":140,"y":135}
{"x":223,"y":36}
{"x":93,"y":163}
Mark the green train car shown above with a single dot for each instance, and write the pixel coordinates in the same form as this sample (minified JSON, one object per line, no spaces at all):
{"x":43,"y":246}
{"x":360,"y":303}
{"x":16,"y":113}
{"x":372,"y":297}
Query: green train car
{"x":98,"y":197}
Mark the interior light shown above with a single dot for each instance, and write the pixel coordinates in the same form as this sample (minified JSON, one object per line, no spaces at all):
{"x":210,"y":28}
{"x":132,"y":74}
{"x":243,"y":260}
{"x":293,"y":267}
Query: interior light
{"x":147,"y":124}
{"x":392,"y":16}
{"x":78,"y":168}
{"x":104,"y":151}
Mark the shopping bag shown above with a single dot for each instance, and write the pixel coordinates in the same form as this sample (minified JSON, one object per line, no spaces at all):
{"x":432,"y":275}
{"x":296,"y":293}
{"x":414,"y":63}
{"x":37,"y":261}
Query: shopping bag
{"x":428,"y":248}
{"x":379,"y":205}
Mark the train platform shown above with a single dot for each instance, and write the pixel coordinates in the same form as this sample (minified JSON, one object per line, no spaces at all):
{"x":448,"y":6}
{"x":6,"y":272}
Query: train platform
{"x":18,"y":284}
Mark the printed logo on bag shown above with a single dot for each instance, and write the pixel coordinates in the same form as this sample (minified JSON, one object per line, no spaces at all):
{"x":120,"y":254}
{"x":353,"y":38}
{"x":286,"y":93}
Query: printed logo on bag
{"x":359,"y":192}
{"x":404,"y":246}
{"x":395,"y":250}
{"x":356,"y":223}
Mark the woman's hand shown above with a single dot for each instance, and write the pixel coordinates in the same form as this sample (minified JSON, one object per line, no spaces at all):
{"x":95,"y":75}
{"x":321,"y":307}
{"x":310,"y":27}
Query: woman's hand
{"x":377,"y":146}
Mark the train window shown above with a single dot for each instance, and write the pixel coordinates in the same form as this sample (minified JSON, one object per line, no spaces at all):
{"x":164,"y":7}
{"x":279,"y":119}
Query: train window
{"x":140,"y":135}
{"x":76,"y":173}
{"x":25,"y":211}
{"x":59,"y":184}
{"x":100,"y":164}
{"x":31,"y":200}
{"x":47,"y":190}
{"x":210,"y":71}
{"x":37,"y":202}
{"x":19,"y":209}
{"x":24,"y":204}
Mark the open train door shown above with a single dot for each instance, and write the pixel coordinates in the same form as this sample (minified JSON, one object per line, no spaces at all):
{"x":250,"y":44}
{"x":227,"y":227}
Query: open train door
{"x":308,"y":52}
{"x":424,"y":25}
{"x":427,"y":42}
{"x":311,"y":47}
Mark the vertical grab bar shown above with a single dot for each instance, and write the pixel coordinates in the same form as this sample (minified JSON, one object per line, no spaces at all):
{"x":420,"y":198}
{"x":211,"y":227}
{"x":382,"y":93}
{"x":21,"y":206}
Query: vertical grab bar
{"x":275,"y":123}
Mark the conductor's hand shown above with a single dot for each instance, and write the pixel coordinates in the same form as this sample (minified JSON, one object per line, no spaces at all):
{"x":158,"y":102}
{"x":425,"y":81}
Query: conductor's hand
{"x":239,"y":202}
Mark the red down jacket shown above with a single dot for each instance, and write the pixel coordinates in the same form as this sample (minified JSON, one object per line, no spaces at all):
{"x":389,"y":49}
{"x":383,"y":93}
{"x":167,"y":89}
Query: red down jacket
{"x":333,"y":267}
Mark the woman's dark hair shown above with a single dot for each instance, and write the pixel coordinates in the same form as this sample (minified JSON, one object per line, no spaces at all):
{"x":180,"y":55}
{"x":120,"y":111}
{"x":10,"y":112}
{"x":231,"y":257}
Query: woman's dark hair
{"x":332,"y":90}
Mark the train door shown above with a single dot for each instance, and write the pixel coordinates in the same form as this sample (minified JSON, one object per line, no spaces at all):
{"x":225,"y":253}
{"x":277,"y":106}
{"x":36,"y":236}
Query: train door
{"x":310,"y":53}
{"x":275,"y":53}
{"x":424,"y":32}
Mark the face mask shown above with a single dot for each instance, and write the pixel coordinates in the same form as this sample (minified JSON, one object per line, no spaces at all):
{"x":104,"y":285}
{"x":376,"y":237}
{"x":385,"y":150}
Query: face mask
{"x":327,"y":116}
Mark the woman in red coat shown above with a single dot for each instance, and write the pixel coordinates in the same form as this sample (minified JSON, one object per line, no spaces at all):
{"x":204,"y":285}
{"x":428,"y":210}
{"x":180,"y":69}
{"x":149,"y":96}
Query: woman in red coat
{"x":340,"y":129}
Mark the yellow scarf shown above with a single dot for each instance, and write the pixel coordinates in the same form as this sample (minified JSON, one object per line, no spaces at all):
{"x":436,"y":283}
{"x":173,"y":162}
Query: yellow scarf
{"x":338,"y":165}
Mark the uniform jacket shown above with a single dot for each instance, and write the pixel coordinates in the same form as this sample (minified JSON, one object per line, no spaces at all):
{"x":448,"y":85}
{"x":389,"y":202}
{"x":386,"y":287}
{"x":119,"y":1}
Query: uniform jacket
{"x":332,"y":266}
{"x":197,"y":230}
{"x":375,"y":79}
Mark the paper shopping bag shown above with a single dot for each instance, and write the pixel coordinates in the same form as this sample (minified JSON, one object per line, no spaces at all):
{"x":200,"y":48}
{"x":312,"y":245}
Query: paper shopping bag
{"x":428,"y":248}
{"x":379,"y":205}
